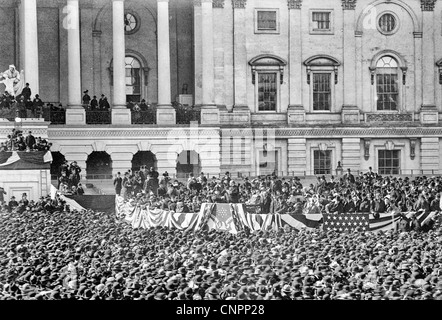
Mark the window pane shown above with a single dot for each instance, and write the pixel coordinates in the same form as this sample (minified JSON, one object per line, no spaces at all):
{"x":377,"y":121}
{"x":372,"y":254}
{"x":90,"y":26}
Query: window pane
{"x":321,"y":91}
{"x":266,"y":20}
{"x":267,"y":88}
{"x":322,"y":162}
{"x":321,"y":20}
{"x":387,"y":84}
{"x":389,"y":161}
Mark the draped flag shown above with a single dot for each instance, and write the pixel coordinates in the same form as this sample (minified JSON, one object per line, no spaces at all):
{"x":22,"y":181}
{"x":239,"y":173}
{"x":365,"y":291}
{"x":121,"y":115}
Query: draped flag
{"x":222,"y":219}
{"x":237,"y":217}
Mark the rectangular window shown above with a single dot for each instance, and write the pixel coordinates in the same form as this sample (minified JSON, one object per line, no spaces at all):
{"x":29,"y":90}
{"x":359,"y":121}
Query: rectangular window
{"x":267,"y":91}
{"x":389,"y":162}
{"x":321,"y":91}
{"x":266,"y":20}
{"x":387,"y":89}
{"x":321,"y":21}
{"x":322,"y":162}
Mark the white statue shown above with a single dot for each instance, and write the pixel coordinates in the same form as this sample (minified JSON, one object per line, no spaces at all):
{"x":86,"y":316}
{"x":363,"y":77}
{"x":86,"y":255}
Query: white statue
{"x":13,"y":80}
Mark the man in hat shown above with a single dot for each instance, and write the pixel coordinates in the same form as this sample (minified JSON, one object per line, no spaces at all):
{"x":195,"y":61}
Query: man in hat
{"x":94,"y":103}
{"x":118,"y":184}
{"x":38,"y":104}
{"x":2,"y":193}
{"x":12,"y":204}
{"x":86,"y":98}
{"x":30,"y":141}
{"x":26,"y":92}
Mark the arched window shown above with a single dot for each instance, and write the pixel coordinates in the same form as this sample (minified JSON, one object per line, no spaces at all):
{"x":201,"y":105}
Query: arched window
{"x":387,"y":84}
{"x":322,"y":76}
{"x":267,"y":76}
{"x":133,"y":79}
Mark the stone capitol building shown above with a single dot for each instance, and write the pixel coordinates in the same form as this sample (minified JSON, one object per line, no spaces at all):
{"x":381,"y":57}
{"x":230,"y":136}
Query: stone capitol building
{"x":295,"y":87}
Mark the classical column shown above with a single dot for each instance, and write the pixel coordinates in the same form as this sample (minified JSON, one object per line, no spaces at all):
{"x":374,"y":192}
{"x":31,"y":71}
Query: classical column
{"x":209,"y":112}
{"x":350,"y":112}
{"x":29,"y":43}
{"x":428,"y":63}
{"x":77,"y":116}
{"x":74,"y":56}
{"x":120,"y":113}
{"x":240,"y":54}
{"x":197,"y":50}
{"x":165,"y":112}
{"x":295,"y":111}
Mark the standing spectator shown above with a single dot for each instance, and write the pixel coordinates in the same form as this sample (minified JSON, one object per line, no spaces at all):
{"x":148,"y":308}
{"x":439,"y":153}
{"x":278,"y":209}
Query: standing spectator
{"x":30,"y":106}
{"x":143,"y":105}
{"x":118,"y":184}
{"x":12,"y":204}
{"x":30,"y":141}
{"x":26,"y":92}
{"x":21,"y":107}
{"x":74,"y":173}
{"x":94,"y":103}
{"x":349,"y":177}
{"x":86,"y":98}
{"x":80,"y":190}
{"x":127,"y":185}
{"x":101,"y":102}
{"x":38,"y":104}
{"x":2,"y":193}
{"x":24,"y":200}
{"x":105,"y":105}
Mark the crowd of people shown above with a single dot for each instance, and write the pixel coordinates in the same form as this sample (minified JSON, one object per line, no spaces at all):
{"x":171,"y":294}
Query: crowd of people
{"x":16,"y":141}
{"x":69,"y":179}
{"x":367,"y":192}
{"x":48,"y":252}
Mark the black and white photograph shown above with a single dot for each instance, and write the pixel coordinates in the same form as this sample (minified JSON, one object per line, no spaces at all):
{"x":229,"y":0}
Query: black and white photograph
{"x":238,"y":151}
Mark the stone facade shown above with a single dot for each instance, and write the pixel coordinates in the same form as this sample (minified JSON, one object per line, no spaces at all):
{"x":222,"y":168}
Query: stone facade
{"x":353,"y":131}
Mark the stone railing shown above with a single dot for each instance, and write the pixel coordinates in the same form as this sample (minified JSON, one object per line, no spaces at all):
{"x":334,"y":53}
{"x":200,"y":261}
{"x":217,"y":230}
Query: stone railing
{"x":184,"y":114}
{"x":144,"y":117}
{"x":99,"y":117}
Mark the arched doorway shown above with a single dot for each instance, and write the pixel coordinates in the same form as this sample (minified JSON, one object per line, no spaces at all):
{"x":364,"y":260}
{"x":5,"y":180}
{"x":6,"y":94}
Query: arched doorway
{"x":57,"y":160}
{"x":99,"y":165}
{"x":188,"y":161}
{"x":143,"y":158}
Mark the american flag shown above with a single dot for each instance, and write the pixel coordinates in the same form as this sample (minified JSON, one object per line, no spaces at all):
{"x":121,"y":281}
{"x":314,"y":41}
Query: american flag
{"x":223,"y":212}
{"x":346,"y":221}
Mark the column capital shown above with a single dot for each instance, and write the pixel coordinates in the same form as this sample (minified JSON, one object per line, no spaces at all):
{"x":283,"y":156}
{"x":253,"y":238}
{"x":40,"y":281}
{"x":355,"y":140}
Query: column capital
{"x":197,"y":3}
{"x":239,"y":4}
{"x":428,"y":5}
{"x":349,"y":4}
{"x":218,"y":3}
{"x":294,"y":4}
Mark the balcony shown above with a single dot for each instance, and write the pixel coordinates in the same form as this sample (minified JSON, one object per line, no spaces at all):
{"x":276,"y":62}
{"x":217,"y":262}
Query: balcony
{"x":185,"y":115}
{"x":55,"y":116}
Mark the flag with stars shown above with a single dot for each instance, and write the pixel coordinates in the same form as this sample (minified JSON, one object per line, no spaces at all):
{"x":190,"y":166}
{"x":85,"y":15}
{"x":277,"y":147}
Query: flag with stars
{"x":221,"y":218}
{"x":346,"y":221}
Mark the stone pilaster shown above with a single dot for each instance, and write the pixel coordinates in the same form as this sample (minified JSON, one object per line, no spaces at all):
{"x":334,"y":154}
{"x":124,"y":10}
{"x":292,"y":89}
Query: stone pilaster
{"x":430,"y":155}
{"x":295,"y":111}
{"x":297,"y":156}
{"x":351,"y":154}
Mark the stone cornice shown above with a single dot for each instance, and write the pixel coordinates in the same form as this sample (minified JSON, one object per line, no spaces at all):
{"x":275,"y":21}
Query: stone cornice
{"x":88,"y":133}
{"x":428,"y":5}
{"x":239,"y":4}
{"x":294,"y":4}
{"x":82,"y":133}
{"x":349,"y":4}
